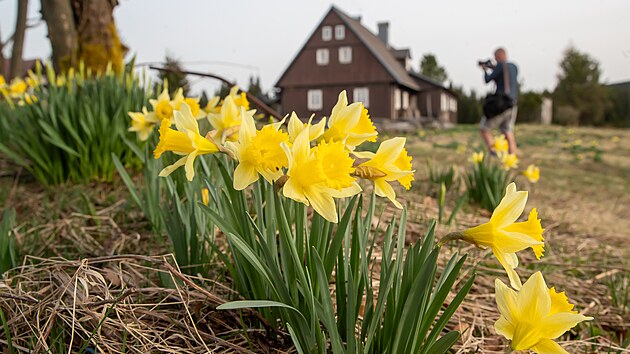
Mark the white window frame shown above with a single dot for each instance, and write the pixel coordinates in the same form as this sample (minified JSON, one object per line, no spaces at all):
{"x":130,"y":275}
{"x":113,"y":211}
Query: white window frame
{"x":453,"y":104}
{"x":340,"y":32}
{"x":322,"y":56}
{"x":405,"y":100}
{"x":327,"y":33}
{"x":361,"y":94}
{"x":345,"y":55}
{"x":314,"y":100}
{"x":443,"y":102}
{"x":397,"y":99}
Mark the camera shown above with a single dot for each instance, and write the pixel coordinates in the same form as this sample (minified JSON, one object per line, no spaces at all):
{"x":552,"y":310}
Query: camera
{"x":486,"y":63}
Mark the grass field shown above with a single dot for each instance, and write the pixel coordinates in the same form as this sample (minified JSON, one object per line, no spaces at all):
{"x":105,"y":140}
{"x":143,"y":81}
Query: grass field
{"x":583,"y":198}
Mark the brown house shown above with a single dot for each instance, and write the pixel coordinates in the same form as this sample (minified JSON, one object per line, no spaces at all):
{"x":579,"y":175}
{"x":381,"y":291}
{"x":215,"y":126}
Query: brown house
{"x":341,"y":54}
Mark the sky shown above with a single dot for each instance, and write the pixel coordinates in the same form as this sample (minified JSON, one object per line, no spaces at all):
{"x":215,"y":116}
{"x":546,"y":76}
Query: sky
{"x":238,"y":39}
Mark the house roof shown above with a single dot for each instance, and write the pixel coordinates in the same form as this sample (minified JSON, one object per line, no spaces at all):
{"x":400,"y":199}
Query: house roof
{"x":401,"y":53}
{"x":430,"y":81}
{"x":620,"y":85}
{"x":379,"y":49}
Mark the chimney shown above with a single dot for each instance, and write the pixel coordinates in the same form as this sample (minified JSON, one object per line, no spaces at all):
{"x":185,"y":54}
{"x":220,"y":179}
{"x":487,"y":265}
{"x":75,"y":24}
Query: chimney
{"x":383,"y":31}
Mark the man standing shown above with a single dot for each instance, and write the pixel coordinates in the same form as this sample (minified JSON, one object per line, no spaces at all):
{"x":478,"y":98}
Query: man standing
{"x":504,"y":74}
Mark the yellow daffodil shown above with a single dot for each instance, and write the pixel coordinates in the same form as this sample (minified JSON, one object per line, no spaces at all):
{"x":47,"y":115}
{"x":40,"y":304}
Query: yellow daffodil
{"x":142,"y":123}
{"x":192,"y":102}
{"x":577,"y":142}
{"x":17,"y":88}
{"x":390,"y":163}
{"x":28,"y":99}
{"x":461,"y":149}
{"x":477,"y":157}
{"x":296,"y":126}
{"x":500,"y":145}
{"x":213,"y":105}
{"x":227,"y":122}
{"x":3,"y":82}
{"x":186,"y":140}
{"x":162,"y":107}
{"x":349,"y":123}
{"x":258,"y":152}
{"x":534,"y":316}
{"x":205,"y":196}
{"x":532,"y":173}
{"x":615,"y":139}
{"x":239,"y":99}
{"x":504,"y":235}
{"x":318,"y":175}
{"x":509,"y":161}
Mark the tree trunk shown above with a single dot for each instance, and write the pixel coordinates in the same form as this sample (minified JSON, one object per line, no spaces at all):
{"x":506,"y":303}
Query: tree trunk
{"x":83,"y":30}
{"x":99,"y":43}
{"x":2,"y":58}
{"x":18,"y":39}
{"x":61,"y":31}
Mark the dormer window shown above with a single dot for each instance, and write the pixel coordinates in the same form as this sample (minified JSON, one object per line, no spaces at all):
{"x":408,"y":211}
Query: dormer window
{"x":322,"y":56}
{"x":340,"y":32}
{"x":345,"y":55}
{"x":326,"y":33}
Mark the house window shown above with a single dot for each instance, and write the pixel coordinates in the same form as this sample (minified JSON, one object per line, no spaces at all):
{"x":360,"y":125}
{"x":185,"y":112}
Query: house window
{"x":340,"y":32}
{"x":397,"y":100}
{"x":314,"y":100}
{"x":361,"y":94}
{"x":345,"y":55}
{"x":322,"y":56}
{"x":326,"y":33}
{"x":443,"y":102}
{"x":405,"y":100}
{"x":453,"y":105}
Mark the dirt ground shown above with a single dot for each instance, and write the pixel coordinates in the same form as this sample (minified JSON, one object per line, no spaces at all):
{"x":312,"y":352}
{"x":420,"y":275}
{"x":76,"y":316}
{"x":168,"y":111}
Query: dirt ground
{"x":583,"y":198}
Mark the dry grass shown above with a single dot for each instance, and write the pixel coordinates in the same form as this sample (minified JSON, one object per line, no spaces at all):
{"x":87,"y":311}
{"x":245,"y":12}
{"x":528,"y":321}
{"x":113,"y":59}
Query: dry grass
{"x":153,"y":306}
{"x":118,"y":304}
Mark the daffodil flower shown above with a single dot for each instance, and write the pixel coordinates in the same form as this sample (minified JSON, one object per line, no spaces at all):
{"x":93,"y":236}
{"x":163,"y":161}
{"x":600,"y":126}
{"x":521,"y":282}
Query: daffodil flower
{"x":477,"y":157}
{"x":349,"y":123}
{"x":162,"y":107}
{"x":142,"y":123}
{"x":213,"y":105}
{"x":205,"y":196}
{"x":390,"y":163}
{"x":192,"y":102}
{"x":239,"y":99}
{"x":500,"y":145}
{"x":534,"y":316}
{"x":504,"y":235}
{"x":296,"y":126}
{"x":258,"y":152}
{"x":228,"y":121}
{"x":186,"y":140}
{"x":532,"y":173}
{"x":318,"y":175}
{"x":509,"y":161}
{"x":17,"y":88}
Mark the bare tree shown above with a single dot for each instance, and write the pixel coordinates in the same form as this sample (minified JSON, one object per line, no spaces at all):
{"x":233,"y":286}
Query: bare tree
{"x":18,"y":39}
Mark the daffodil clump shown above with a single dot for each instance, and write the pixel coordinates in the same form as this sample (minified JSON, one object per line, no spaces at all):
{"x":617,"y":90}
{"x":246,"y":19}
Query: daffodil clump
{"x":20,"y":90}
{"x":489,"y":174}
{"x":314,"y":164}
{"x":531,"y":315}
{"x":163,"y":109}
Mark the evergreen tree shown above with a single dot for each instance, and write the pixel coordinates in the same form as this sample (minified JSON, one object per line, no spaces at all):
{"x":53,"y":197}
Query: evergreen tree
{"x":430,"y":68}
{"x":579,"y":88}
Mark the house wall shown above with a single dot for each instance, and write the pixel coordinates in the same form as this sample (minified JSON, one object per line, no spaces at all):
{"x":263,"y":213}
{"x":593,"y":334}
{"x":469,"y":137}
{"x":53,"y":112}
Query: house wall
{"x":295,"y":99}
{"x":364,"y":71}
